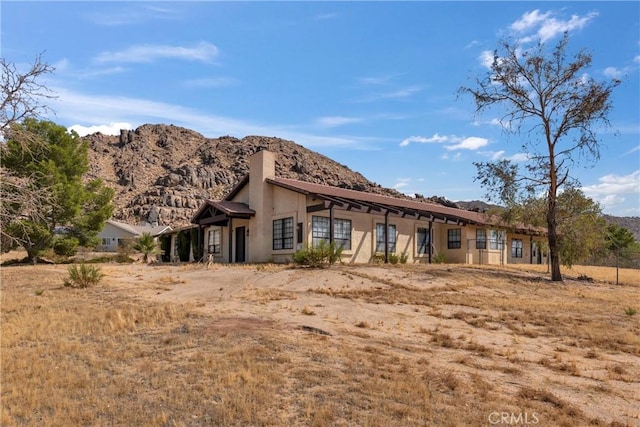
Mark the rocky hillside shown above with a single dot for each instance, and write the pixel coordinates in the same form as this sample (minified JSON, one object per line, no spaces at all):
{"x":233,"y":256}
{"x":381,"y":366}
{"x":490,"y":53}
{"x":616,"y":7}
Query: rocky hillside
{"x":162,"y":173}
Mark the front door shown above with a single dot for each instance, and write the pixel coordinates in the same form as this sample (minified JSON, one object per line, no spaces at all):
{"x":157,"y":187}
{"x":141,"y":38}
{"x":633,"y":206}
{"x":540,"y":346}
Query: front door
{"x":240,"y":249}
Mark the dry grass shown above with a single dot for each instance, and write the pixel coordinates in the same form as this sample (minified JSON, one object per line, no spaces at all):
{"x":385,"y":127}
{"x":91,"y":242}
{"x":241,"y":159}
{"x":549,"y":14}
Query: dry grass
{"x":440,"y":346}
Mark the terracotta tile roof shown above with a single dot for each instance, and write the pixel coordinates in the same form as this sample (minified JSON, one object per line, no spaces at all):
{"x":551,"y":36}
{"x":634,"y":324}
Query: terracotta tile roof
{"x":369,"y":199}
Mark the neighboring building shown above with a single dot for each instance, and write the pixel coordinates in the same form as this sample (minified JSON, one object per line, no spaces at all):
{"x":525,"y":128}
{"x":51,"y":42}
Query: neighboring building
{"x":118,"y":234}
{"x":267,"y":219}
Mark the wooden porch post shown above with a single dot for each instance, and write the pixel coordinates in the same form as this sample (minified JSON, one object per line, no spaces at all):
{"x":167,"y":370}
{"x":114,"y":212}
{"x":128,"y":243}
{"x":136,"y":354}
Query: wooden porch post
{"x":230,"y":240}
{"x":331,"y":224}
{"x":430,"y":239}
{"x":386,"y":237}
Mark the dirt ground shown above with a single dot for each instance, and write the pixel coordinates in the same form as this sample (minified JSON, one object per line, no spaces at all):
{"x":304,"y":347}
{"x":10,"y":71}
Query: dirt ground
{"x":352,"y":303}
{"x":521,"y":334}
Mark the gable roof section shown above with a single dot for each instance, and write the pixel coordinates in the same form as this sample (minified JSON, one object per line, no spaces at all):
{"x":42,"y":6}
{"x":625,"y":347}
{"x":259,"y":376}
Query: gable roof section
{"x":214,"y":211}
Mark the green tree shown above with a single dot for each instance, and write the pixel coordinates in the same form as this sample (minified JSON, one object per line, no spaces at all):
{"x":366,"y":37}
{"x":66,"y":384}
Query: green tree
{"x":581,"y":226}
{"x":618,"y":239}
{"x":554,"y":106}
{"x":55,"y":160}
{"x":22,"y":96}
{"x":146,"y":245}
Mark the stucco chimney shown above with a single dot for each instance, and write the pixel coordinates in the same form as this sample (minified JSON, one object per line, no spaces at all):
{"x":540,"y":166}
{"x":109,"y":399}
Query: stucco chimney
{"x":262,"y":165}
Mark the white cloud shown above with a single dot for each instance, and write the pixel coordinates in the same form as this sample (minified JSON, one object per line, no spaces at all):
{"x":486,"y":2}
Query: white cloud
{"x":554,"y":27}
{"x":335,"y":121}
{"x":203,"y":51}
{"x":615,"y":184}
{"x":110,"y":129}
{"x":470,"y":143}
{"x":486,"y":58}
{"x":375,"y":80}
{"x":613,"y":72}
{"x":424,"y":140}
{"x":546,"y":26}
{"x":618,"y":194}
{"x":401,"y":93}
{"x":529,"y":20}
{"x":400,"y":185}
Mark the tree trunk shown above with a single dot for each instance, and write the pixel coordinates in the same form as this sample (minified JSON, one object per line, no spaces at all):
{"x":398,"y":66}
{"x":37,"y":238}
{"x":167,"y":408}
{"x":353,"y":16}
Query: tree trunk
{"x":556,"y":275}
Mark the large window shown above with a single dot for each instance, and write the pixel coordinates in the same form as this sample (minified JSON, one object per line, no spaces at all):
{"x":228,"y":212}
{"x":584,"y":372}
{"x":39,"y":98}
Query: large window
{"x":341,"y":231}
{"x":214,"y":240}
{"x":481,"y":238}
{"x":496,"y":239}
{"x":380,"y":238}
{"x":516,"y":248}
{"x":454,"y":238}
{"x":283,"y":233}
{"x":423,"y":240}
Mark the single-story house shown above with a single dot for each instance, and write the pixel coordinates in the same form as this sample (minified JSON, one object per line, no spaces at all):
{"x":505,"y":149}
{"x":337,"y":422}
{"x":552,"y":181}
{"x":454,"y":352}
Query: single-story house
{"x":267,"y":219}
{"x":118,"y":234}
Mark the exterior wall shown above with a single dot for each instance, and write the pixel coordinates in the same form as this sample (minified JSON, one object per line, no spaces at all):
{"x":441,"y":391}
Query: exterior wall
{"x":531,"y":250}
{"x":112,"y":236}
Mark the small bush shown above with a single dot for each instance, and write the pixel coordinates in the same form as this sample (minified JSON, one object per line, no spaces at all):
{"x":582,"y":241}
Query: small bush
{"x":66,"y":246}
{"x":83,"y":276}
{"x":319,"y":256}
{"x":629,"y":311}
{"x":439,"y":259}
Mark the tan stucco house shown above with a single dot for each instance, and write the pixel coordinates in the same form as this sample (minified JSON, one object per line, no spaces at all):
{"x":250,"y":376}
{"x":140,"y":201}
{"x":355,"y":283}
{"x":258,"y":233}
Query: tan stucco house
{"x":267,"y":219}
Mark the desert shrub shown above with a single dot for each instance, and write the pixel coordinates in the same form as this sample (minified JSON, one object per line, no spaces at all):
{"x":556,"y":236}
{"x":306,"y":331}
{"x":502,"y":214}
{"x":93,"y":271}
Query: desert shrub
{"x":439,"y":259}
{"x":83,"y":275}
{"x":318,"y":256}
{"x":65,"y":246}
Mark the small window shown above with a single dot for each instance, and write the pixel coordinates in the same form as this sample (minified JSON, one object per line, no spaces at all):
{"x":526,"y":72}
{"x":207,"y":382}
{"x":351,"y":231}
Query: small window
{"x":497,"y":239}
{"x":481,"y":238}
{"x":215,"y":246}
{"x":454,"y":238}
{"x":283,"y":233}
{"x":423,"y":241}
{"x":380,"y":238}
{"x":516,"y":248}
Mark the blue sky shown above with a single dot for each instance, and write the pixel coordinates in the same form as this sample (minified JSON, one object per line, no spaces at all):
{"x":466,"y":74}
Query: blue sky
{"x":372,"y":85}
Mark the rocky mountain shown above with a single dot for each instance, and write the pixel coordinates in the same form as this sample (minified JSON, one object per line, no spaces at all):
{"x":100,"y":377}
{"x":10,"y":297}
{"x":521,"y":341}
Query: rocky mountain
{"x":162,"y":173}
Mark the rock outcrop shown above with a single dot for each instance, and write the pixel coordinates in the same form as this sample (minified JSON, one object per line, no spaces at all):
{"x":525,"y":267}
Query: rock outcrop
{"x":163,"y":173}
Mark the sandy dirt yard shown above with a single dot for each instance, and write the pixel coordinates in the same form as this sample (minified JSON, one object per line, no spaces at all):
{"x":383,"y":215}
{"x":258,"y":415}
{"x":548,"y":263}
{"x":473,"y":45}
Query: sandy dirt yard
{"x":512,"y":327}
{"x":524,"y":348}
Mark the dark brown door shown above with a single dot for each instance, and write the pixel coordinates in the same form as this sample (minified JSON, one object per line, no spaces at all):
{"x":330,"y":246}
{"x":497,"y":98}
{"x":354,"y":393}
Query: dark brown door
{"x":240,"y":249}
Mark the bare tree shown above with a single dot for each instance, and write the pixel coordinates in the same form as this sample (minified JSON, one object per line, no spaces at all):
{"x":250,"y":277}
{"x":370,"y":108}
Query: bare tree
{"x":23,"y":96}
{"x":556,"y":108}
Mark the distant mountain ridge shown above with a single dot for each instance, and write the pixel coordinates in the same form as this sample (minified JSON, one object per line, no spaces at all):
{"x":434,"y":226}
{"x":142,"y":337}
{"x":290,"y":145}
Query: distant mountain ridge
{"x":162,"y":173}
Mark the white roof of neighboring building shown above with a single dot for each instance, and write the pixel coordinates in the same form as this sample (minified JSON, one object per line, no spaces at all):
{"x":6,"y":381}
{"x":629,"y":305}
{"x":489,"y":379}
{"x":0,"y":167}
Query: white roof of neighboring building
{"x":138,"y":230}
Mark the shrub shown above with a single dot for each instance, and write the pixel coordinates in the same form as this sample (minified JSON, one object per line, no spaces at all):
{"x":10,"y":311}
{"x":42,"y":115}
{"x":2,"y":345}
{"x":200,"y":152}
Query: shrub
{"x":318,"y":256}
{"x":66,"y":246}
{"x":83,"y":276}
{"x":439,"y":259}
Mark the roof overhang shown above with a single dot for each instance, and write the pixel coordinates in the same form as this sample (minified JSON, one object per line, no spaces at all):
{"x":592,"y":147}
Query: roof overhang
{"x":218,"y":212}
